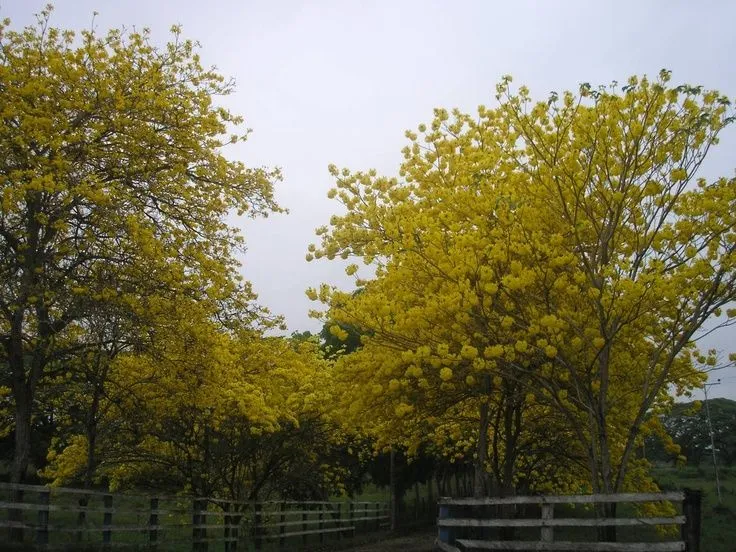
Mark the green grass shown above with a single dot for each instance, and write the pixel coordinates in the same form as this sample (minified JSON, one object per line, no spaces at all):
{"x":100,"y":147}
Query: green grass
{"x":718,"y":520}
{"x":369,"y":493}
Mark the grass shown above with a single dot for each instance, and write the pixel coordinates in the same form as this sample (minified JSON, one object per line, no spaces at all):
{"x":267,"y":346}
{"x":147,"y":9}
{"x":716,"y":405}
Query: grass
{"x":718,"y":533}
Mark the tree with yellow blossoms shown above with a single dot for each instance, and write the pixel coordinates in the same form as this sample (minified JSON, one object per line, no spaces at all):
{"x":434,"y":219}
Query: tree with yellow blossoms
{"x":567,"y":245}
{"x":113,"y":188}
{"x":213,"y":410}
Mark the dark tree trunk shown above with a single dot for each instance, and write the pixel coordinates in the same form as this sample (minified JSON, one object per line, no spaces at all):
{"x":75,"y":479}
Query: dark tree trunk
{"x":440,"y":480}
{"x":479,"y":480}
{"x":607,"y":533}
{"x":21,"y":458}
{"x":392,"y":487}
{"x":98,"y":376}
{"x":23,"y":397}
{"x":91,"y":456}
{"x":22,"y":453}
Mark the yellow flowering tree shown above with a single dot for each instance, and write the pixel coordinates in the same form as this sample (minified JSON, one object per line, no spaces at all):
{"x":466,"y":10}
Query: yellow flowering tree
{"x":113,"y":187}
{"x":216,"y":411}
{"x":567,"y":245}
{"x":649,"y":245}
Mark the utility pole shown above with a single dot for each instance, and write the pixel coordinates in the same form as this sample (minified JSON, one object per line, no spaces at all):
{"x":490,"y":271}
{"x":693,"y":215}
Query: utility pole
{"x":712,"y":440}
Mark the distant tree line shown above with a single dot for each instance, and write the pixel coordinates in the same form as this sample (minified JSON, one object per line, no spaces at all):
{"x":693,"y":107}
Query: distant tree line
{"x":687,"y":425}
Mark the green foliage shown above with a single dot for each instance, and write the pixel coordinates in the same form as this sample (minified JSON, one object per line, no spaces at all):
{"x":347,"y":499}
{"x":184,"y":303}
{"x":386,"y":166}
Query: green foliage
{"x":339,"y":339}
{"x":687,"y":424}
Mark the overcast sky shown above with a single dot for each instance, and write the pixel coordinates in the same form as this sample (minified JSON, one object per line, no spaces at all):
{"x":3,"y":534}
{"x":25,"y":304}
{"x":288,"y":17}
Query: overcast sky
{"x":339,"y":81}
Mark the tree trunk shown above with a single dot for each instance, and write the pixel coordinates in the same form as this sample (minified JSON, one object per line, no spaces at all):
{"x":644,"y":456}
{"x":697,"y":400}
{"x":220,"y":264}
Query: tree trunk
{"x":479,"y":487}
{"x":23,"y":397}
{"x":607,"y":533}
{"x":392,"y":486}
{"x":91,"y":456}
{"x":440,"y":478}
{"x":430,"y":491}
{"x":22,"y":453}
{"x":508,"y":511}
{"x":20,"y":459}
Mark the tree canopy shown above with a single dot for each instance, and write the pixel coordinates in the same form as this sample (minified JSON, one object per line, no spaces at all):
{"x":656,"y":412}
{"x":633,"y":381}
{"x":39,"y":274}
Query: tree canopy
{"x":114,"y":193}
{"x":554,"y":257}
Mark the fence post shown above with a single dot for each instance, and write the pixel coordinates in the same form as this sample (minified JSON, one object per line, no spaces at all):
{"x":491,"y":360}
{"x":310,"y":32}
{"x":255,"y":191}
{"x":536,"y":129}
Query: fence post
{"x":548,"y":512}
{"x":257,"y":516}
{"x":226,"y":525}
{"x":282,"y":528}
{"x":339,"y":520}
{"x":304,"y":524}
{"x":692,"y":512}
{"x":378,"y":515}
{"x":351,"y":515}
{"x":321,"y":525}
{"x":203,"y":528}
{"x":16,"y":515}
{"x":107,"y":521}
{"x":235,"y":529}
{"x":196,"y":522}
{"x":195,"y":525}
{"x":42,"y":531}
{"x":444,"y":533}
{"x":153,"y":524}
{"x":82,"y":517}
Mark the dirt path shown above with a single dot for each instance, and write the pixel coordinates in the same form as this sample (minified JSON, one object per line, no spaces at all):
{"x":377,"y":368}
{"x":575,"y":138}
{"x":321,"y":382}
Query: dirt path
{"x":417,"y":542}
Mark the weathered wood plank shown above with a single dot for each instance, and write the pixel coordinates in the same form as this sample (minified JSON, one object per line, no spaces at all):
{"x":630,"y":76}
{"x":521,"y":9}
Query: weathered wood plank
{"x":311,"y":532}
{"x":370,"y":518}
{"x":674,"y":546}
{"x":301,"y":522}
{"x":560,"y":522}
{"x":277,"y":502}
{"x":674,"y":496}
{"x":444,"y":547}
{"x":52,"y":507}
{"x":17,"y":524}
{"x":276,"y":513}
{"x":112,"y":528}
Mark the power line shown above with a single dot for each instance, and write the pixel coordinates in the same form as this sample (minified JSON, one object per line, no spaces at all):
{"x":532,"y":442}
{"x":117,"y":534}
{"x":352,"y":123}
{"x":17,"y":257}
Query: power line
{"x":712,"y":440}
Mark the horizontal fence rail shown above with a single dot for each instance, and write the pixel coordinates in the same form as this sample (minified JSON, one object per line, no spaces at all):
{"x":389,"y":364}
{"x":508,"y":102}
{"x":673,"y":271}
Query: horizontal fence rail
{"x":56,"y":518}
{"x":465,"y":524}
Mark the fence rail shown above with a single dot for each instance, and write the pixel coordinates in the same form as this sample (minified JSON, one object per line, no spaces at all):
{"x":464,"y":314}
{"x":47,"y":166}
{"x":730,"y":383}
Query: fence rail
{"x":463,"y":524}
{"x":55,"y":518}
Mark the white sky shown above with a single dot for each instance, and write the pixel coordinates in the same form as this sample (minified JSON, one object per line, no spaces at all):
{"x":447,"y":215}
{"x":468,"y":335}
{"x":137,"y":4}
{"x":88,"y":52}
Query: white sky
{"x":338,"y":82}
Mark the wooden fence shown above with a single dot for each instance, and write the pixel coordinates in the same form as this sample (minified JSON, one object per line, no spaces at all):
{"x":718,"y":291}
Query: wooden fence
{"x":54,"y":518}
{"x":474,"y":524}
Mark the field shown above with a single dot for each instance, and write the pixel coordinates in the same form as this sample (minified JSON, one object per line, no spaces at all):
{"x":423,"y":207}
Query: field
{"x":719,"y":521}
